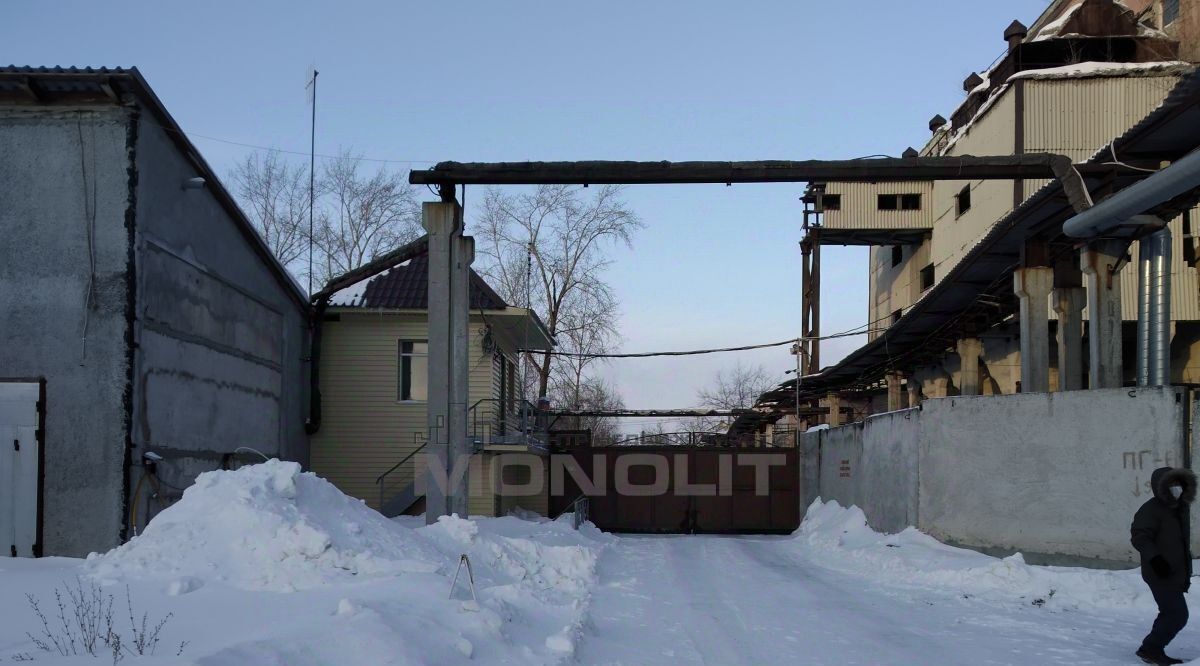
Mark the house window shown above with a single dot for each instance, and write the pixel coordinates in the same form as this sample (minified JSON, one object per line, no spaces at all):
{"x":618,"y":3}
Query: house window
{"x":899,"y":202}
{"x":414,"y":370}
{"x":927,"y":277}
{"x":831,"y":202}
{"x":897,"y":255}
{"x":962,"y":201}
{"x":1170,"y":11}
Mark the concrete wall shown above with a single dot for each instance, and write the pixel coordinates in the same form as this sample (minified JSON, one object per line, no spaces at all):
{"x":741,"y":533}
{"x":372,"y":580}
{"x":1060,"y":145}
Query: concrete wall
{"x":1048,"y":473}
{"x":50,"y":165}
{"x":146,"y":310}
{"x":1057,"y":476}
{"x":221,"y":338}
{"x":841,"y":453}
{"x":887,"y":470}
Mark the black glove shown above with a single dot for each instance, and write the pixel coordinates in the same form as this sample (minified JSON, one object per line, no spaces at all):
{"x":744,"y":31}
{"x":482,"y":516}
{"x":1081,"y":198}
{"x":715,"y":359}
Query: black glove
{"x":1161,"y":568}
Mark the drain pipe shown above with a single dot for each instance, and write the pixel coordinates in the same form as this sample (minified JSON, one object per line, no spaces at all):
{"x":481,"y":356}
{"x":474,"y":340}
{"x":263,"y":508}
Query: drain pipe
{"x":1158,"y":350}
{"x":1143,"y":316}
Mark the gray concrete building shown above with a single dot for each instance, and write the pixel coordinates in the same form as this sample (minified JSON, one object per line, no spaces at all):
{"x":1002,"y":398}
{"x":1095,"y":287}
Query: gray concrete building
{"x":146,"y":331}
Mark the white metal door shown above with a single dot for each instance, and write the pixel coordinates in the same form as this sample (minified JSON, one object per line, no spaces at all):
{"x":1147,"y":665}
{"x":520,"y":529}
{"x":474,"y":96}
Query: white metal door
{"x":19,"y":456}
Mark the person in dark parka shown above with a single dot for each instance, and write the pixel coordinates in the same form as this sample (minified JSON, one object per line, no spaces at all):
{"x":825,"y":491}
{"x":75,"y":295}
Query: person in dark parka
{"x":1161,"y":533}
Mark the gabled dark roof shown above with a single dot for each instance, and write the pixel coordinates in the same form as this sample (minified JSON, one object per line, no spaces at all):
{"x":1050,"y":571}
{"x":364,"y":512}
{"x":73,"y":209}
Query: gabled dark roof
{"x":406,"y":287}
{"x":64,"y":86}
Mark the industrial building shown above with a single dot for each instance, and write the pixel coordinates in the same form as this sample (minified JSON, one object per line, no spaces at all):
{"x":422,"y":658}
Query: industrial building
{"x":147,"y":334}
{"x":973,"y":287}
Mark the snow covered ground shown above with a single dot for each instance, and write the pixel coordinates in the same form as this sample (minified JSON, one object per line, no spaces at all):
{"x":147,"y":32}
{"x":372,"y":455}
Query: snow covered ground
{"x":267,"y":565}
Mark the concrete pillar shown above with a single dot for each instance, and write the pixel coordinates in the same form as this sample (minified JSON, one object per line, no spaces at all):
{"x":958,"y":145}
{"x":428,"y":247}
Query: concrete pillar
{"x":1104,"y":312}
{"x":834,"y":402}
{"x":969,"y":351}
{"x":1032,"y":285}
{"x":448,"y":449}
{"x":914,"y":392}
{"x":895,"y":394}
{"x":941,"y":387}
{"x":1068,"y":306}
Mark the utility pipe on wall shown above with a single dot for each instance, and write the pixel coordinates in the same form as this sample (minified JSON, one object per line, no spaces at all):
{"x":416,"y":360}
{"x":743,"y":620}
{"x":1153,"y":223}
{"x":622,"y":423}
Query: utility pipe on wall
{"x":1159,"y":339}
{"x":1143,"y":315}
{"x":1128,"y":208}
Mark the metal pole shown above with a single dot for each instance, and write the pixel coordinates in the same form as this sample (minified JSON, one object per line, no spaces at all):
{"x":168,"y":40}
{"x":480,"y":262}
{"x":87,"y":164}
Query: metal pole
{"x":312,"y":178}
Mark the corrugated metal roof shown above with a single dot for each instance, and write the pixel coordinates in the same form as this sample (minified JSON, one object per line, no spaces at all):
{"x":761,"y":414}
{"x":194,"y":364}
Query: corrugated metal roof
{"x":406,"y":287}
{"x":979,"y":288}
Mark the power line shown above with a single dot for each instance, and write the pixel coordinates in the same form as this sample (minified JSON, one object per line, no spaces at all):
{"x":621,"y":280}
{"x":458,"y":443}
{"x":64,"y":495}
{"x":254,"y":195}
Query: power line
{"x":695,"y":352}
{"x":193,"y":135}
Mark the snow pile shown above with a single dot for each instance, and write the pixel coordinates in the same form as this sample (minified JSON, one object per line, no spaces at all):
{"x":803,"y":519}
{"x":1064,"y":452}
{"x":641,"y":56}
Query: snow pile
{"x":536,"y":573}
{"x":362,"y":588}
{"x":265,"y":527}
{"x":839,"y":538}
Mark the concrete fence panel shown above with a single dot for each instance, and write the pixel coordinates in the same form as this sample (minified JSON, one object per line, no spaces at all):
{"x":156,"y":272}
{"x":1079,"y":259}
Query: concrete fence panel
{"x":887,"y":471}
{"x":841,"y":458}
{"x":810,"y":468}
{"x":1051,"y":474}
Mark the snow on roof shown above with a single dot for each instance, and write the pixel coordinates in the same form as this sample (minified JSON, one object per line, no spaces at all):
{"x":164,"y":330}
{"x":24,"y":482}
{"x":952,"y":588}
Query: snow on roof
{"x":1096,"y":69}
{"x":351,"y":296}
{"x":1052,"y":29}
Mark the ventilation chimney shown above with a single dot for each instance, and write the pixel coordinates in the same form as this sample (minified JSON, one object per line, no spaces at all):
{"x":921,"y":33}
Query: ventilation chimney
{"x":972,"y":82}
{"x":936,"y":122}
{"x":1014,"y":34}
{"x":909,"y":152}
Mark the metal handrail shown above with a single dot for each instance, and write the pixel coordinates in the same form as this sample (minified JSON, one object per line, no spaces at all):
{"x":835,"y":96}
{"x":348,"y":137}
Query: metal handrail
{"x":579,"y":511}
{"x":379,"y":481}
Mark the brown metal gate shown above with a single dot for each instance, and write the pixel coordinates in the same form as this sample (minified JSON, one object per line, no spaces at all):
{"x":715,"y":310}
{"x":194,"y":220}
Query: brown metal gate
{"x":688,"y":490}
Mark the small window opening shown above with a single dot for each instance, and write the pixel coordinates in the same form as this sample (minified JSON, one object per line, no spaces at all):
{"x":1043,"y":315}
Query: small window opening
{"x":910,"y":202}
{"x":888,"y":202}
{"x":831,"y":202}
{"x":927,"y":277}
{"x":962,"y":201}
{"x":1170,"y":9}
{"x":897,"y":255}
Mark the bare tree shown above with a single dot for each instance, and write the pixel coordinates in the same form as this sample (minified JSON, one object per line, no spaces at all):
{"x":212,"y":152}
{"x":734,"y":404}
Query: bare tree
{"x":364,"y":214}
{"x":275,"y":196}
{"x":547,"y":249}
{"x":596,"y":394}
{"x":737,"y":388}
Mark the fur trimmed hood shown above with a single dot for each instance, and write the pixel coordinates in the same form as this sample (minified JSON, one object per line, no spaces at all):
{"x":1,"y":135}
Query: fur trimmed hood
{"x":1165,"y":476}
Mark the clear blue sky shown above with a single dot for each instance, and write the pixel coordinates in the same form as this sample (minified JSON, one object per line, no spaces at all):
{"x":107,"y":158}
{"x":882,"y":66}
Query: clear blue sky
{"x":483,"y":81}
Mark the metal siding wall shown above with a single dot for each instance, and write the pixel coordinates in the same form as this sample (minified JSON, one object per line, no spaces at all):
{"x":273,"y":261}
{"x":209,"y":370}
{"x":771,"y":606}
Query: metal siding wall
{"x":364,"y":429}
{"x":1075,"y":117}
{"x":860,"y":206}
{"x":1185,"y":304}
{"x":992,"y":134}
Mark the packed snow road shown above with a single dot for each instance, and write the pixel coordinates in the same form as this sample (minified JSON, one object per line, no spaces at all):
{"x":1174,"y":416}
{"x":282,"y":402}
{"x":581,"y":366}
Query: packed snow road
{"x":270,"y":565}
{"x":756,"y":600}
